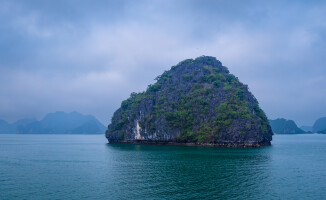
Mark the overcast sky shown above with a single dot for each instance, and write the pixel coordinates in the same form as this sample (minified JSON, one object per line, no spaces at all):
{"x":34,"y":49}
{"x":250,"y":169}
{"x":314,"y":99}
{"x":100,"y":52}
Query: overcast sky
{"x":88,"y":56}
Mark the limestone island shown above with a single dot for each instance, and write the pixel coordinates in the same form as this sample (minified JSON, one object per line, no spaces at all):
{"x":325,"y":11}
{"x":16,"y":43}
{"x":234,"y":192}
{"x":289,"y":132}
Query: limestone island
{"x":196,"y":102}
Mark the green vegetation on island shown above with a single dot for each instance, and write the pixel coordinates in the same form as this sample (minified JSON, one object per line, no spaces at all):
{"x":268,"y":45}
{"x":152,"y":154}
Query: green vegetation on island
{"x":196,"y":101}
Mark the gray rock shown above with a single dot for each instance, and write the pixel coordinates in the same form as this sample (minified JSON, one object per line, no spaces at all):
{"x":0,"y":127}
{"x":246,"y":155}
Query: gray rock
{"x":195,"y":102}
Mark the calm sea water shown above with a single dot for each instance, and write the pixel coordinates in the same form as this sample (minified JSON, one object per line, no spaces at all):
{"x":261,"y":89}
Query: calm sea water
{"x":86,"y":167}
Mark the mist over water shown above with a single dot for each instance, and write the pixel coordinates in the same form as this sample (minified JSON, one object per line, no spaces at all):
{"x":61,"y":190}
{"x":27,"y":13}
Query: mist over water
{"x":86,"y":167}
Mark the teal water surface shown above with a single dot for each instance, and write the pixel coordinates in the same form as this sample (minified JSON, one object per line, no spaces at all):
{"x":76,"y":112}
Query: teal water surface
{"x":86,"y":167}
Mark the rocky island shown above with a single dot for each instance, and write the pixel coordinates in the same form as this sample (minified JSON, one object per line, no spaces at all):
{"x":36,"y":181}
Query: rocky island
{"x":283,"y":126}
{"x":196,"y":102}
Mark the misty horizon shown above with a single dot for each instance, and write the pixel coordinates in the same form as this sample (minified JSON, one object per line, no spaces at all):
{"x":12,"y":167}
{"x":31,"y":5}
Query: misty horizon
{"x":106,"y":123}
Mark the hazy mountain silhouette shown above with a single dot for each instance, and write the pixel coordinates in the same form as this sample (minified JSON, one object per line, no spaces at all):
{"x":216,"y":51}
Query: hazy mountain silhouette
{"x":306,"y":128}
{"x":55,"y":123}
{"x":319,"y":125}
{"x":6,"y":128}
{"x":283,"y":126}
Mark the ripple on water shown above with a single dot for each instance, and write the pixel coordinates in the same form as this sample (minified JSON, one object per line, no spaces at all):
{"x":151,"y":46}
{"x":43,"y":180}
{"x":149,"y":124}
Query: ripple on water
{"x":85,"y":167}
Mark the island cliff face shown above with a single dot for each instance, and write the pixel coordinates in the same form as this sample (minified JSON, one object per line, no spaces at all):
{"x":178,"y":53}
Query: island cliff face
{"x":195,"y":102}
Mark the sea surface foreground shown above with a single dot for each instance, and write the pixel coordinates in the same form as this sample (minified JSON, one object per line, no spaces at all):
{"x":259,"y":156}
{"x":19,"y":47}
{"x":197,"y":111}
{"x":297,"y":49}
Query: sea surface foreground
{"x":86,"y":167}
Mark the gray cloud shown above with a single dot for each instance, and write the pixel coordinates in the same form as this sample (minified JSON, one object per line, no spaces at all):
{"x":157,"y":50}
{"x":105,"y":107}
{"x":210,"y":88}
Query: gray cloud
{"x":89,"y":56}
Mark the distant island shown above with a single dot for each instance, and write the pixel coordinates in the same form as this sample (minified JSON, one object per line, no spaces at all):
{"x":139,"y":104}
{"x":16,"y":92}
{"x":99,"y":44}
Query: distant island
{"x":55,"y":123}
{"x":284,"y":126}
{"x":320,"y":126}
{"x":196,"y":102}
{"x":306,"y":128}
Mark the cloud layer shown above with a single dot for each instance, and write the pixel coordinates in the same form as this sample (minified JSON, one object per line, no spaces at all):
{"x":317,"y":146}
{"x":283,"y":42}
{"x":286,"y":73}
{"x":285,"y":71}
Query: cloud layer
{"x":88,"y":56}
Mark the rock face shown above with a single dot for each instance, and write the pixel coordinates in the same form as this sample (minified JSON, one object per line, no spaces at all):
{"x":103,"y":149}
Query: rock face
{"x":195,"y":102}
{"x":283,"y":126}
